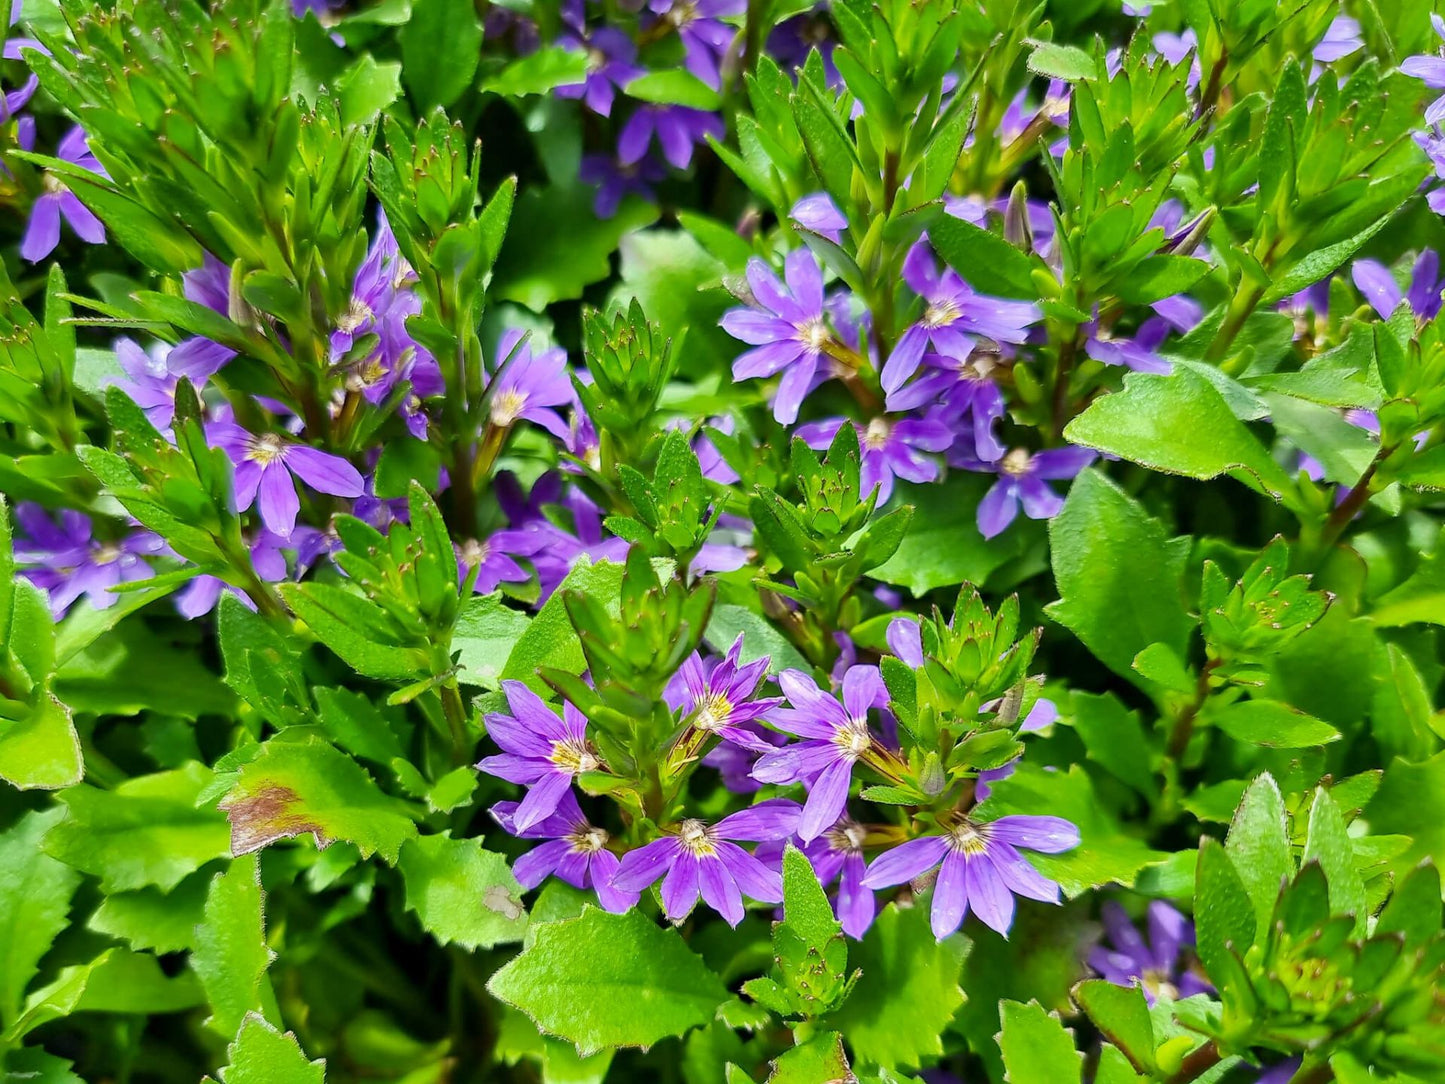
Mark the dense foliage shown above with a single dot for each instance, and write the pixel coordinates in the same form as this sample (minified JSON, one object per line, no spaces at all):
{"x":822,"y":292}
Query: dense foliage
{"x":722,"y":540}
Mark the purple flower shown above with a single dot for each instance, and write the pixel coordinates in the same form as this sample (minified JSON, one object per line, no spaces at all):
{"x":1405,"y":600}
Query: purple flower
{"x":495,"y":559}
{"x":968,"y":402}
{"x":63,"y":559}
{"x":151,"y":384}
{"x":555,"y":549}
{"x":1281,"y":1073}
{"x":735,"y":762}
{"x":1154,"y":962}
{"x":196,"y":358}
{"x":953,"y":314}
{"x":1175,"y":47}
{"x":891,"y":447}
{"x":705,"y":39}
{"x":1378,"y":285}
{"x":539,"y":750}
{"x":1341,"y":39}
{"x":1139,"y":353}
{"x":838,"y":853}
{"x":980,"y":868}
{"x":721,"y":698}
{"x":529,"y":385}
{"x":1431,"y":70}
{"x":576,"y":852}
{"x":677,"y":128}
{"x":42,"y":233}
{"x":1432,"y":142}
{"x":835,"y":736}
{"x":787,"y":329}
{"x":1021,"y":479}
{"x":614,"y":180}
{"x":611,"y":57}
{"x":703,"y":859}
{"x":905,"y":640}
{"x":200,"y":596}
{"x":820,"y":214}
{"x":267,"y":467}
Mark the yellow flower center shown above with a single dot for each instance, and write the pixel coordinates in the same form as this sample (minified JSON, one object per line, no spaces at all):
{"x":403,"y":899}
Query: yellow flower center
{"x":574,"y":756}
{"x":876,"y":435}
{"x":474,"y":552}
{"x":853,"y":738}
{"x":696,"y":838}
{"x":358,"y":312}
{"x":814,"y":335}
{"x":266,"y":449}
{"x":106,"y":553}
{"x":1016,"y":462}
{"x":968,"y":838}
{"x":713,"y":712}
{"x":589,"y":839}
{"x":847,"y":836}
{"x":52,"y":184}
{"x":507,"y":407}
{"x":941,"y":314}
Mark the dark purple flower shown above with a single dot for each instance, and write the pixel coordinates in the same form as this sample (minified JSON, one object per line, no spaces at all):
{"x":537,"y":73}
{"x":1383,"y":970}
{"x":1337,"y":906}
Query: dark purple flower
{"x":702,"y":859}
{"x":966,"y":400}
{"x":953,"y":316}
{"x":891,"y":447}
{"x":705,"y":39}
{"x":980,"y":868}
{"x":611,"y":57}
{"x":539,"y":750}
{"x":615,"y":179}
{"x":1154,"y":962}
{"x":1379,"y":288}
{"x":735,"y":762}
{"x":835,"y":736}
{"x":677,"y":129}
{"x":42,"y":232}
{"x":528,"y":386}
{"x":838,"y":853}
{"x":11,"y":102}
{"x":63,"y":559}
{"x":721,"y":697}
{"x":264,"y":470}
{"x":787,"y":329}
{"x":1280,"y":1073}
{"x":557,"y":550}
{"x":576,"y":852}
{"x":1430,"y":69}
{"x":820,"y":214}
{"x":1021,"y":481}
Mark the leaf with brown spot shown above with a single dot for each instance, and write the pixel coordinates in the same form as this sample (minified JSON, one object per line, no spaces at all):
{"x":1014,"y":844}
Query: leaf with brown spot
{"x":291,"y":789}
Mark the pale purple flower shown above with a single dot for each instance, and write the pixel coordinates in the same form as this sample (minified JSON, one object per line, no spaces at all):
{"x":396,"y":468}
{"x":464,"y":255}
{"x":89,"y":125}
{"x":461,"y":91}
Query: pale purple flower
{"x":1156,"y":961}
{"x":699,"y":859}
{"x":199,"y":359}
{"x":787,"y":329}
{"x":953,"y":317}
{"x":838,"y":853}
{"x":820,"y":214}
{"x":891,"y":448}
{"x":705,"y":38}
{"x":576,"y":852}
{"x":905,"y":640}
{"x":1021,"y":481}
{"x":1379,"y":288}
{"x":373,"y":290}
{"x":56,"y":202}
{"x":611,"y":64}
{"x":980,"y":868}
{"x":13,"y":101}
{"x":267,"y":468}
{"x":495,"y":557}
{"x":1430,"y":69}
{"x":558,"y":549}
{"x":1341,"y":39}
{"x":615,"y":180}
{"x":677,"y":130}
{"x":721,"y":697}
{"x":529,"y":386}
{"x":1139,"y":352}
{"x":150,"y":382}
{"x":714,"y":467}
{"x":62,"y":558}
{"x":200,"y":596}
{"x":539,"y":751}
{"x":1175,"y":47}
{"x":835,"y":736}
{"x":1432,"y":142}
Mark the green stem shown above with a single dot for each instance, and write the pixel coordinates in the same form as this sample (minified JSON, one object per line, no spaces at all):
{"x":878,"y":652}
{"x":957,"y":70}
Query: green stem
{"x":1197,"y":1064}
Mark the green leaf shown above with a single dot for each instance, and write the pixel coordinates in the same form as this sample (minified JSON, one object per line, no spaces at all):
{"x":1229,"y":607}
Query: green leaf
{"x":35,"y":893}
{"x":486,"y":632}
{"x":1411,"y":802}
{"x":463,"y":893}
{"x":1314,"y":266}
{"x":1106,"y":853}
{"x":909,"y":991}
{"x":289,"y":789}
{"x":760,"y":638}
{"x":356,"y":724}
{"x":1037,"y":1049}
{"x":819,"y":1060}
{"x":557,"y":246}
{"x":1273,"y":724}
{"x":609,"y":980}
{"x":368,"y":87}
{"x":1055,"y":61}
{"x":263,"y":1055}
{"x":1178,"y":424}
{"x":130,"y":670}
{"x":806,"y":911}
{"x":1122,"y":1015}
{"x":550,"y":640}
{"x":347,"y":624}
{"x":231,"y":956}
{"x":1223,"y":911}
{"x":147,"y":831}
{"x":1157,"y":277}
{"x":676,"y":86}
{"x":943,"y":546}
{"x":1327,"y":841}
{"x":983,"y":259}
{"x":539,"y":73}
{"x":1118,"y":578}
{"x":1259,"y":846}
{"x":34,"y":1065}
{"x":148,"y":918}
{"x":133,"y":982}
{"x":40,"y":751}
{"x":1115,"y":739}
{"x":440,"y":47}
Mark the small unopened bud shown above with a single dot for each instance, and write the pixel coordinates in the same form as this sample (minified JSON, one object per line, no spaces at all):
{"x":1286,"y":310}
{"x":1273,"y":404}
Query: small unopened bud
{"x":1187,"y":237}
{"x":1016,"y":228}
